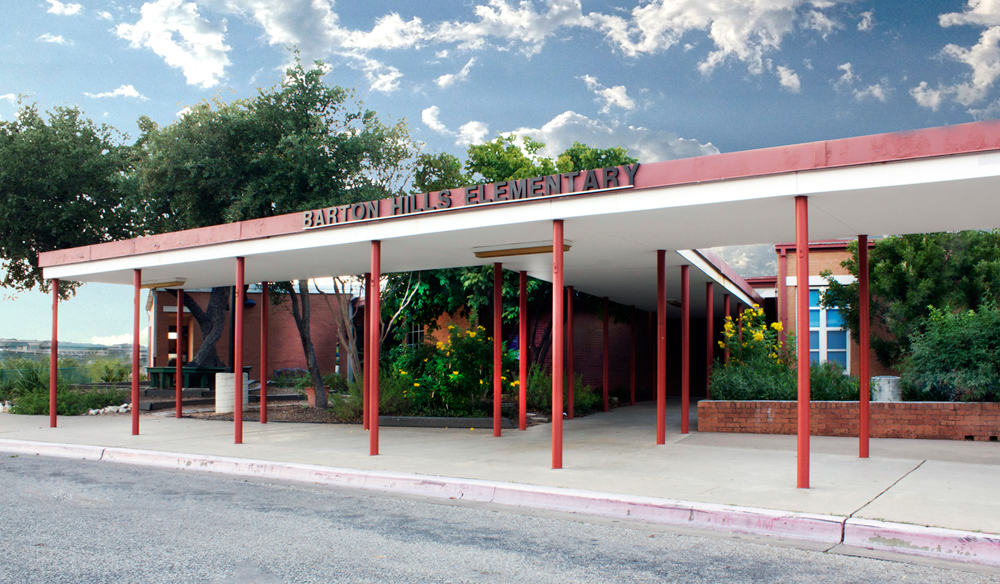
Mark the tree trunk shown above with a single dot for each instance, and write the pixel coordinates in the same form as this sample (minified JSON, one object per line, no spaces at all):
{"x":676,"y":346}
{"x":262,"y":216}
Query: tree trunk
{"x":302,"y":323}
{"x":210,"y":323}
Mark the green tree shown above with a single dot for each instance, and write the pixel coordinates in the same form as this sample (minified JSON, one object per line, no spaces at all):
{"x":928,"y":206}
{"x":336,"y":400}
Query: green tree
{"x":910,"y":274}
{"x":300,"y":145}
{"x":436,"y":172}
{"x":62,"y":184}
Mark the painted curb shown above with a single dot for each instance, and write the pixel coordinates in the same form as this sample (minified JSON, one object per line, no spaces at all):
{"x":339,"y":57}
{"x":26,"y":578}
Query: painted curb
{"x":931,"y":542}
{"x":78,"y":451}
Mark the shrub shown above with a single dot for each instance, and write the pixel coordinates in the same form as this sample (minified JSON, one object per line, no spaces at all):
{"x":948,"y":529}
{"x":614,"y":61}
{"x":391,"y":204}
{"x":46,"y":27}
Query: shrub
{"x":69,"y":401}
{"x":453,"y":377}
{"x":586,"y":399}
{"x":335,"y":383}
{"x":956,"y":357}
{"x":761,"y":367}
{"x":108,"y":370}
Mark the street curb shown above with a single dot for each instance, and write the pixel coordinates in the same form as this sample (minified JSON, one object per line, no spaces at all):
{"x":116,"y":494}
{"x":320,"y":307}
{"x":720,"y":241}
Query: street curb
{"x":945,"y":544}
{"x":931,"y":542}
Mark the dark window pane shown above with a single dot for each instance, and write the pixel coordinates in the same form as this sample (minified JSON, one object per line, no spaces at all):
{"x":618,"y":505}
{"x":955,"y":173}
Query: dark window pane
{"x":839,"y":357}
{"x":836,"y":340}
{"x":814,"y":340}
{"x":813,"y":318}
{"x":814,"y":356}
{"x":834,"y":318}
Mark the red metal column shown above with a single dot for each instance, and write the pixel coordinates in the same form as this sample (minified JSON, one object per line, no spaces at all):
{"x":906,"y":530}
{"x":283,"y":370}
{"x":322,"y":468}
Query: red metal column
{"x":725,"y":313}
{"x":497,"y":344}
{"x":265,"y":308}
{"x":522,"y":344}
{"x":783,"y":295}
{"x":710,"y":334}
{"x":238,"y":352}
{"x":557,"y":342}
{"x":137,"y":286}
{"x":570,"y":361}
{"x":178,"y":364}
{"x":864,"y":376}
{"x":631,"y":390}
{"x":374,"y":324}
{"x":802,"y":335}
{"x":366,"y":373}
{"x":54,"y":354}
{"x":661,"y":346}
{"x":606,"y":378}
{"x":685,"y":349}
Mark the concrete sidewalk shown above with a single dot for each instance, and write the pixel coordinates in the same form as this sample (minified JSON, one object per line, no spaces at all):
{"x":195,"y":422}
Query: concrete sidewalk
{"x":943,"y":484}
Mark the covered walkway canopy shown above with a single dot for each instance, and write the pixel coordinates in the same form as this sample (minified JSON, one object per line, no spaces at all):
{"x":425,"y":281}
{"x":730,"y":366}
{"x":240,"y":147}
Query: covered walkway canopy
{"x":615,"y":232}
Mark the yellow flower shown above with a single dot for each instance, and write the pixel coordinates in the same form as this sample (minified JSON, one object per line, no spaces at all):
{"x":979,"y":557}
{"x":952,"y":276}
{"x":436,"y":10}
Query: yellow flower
{"x":451,"y":327}
{"x":480,"y":382}
{"x":758,"y":336}
{"x":472,"y":334}
{"x":504,"y":378}
{"x":481,"y":327}
{"x":416,"y":385}
{"x":722,"y":345}
{"x":454,"y":372}
{"x":777,"y":326}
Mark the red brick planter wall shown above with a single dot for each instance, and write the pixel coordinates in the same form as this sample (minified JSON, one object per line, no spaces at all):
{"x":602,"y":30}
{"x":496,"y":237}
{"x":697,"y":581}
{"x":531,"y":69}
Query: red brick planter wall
{"x":929,"y":420}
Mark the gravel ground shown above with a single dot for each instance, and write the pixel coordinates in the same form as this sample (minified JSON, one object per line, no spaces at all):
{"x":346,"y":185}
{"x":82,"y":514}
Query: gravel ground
{"x":81,"y":522}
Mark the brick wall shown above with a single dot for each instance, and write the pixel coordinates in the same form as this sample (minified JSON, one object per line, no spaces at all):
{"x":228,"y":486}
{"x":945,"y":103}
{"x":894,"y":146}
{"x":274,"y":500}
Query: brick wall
{"x":925,"y":420}
{"x":284,"y":348}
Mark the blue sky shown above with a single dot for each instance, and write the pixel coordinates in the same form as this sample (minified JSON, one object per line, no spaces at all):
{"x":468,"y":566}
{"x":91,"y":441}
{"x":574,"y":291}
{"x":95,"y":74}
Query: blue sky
{"x":665,"y":78}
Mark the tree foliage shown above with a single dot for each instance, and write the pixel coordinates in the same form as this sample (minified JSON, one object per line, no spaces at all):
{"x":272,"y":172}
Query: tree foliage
{"x":63,"y":183}
{"x":910,"y":274}
{"x":300,"y":145}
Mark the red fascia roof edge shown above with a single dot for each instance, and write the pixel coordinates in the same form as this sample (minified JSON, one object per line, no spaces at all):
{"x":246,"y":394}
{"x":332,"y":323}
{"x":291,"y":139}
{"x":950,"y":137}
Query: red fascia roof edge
{"x":729,"y":273}
{"x":863,"y":150}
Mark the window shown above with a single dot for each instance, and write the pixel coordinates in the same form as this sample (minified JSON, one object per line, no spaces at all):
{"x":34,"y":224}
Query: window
{"x":827,"y":335}
{"x":415,"y":336}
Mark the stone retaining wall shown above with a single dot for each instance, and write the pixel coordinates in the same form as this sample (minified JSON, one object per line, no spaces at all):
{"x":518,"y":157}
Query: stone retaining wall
{"x":928,"y":420}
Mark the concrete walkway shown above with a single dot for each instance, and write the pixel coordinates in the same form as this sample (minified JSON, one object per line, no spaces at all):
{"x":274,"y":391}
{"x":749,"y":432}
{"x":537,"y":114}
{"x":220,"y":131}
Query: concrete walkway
{"x":946,"y":484}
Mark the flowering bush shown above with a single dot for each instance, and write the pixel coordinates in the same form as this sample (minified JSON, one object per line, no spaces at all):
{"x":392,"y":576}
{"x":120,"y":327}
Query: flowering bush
{"x":454,"y":377}
{"x":760,"y":366}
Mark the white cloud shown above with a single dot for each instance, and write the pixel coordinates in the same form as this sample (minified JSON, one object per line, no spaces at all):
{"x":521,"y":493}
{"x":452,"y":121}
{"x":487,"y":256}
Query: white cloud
{"x":67,"y":9}
{"x":984,"y":61}
{"x":55,"y":39}
{"x":472,"y":133}
{"x":867,"y":20}
{"x":611,"y":96}
{"x":927,"y":97}
{"x":519,"y":25}
{"x":450,"y":79}
{"x":977,"y":12}
{"x":125,"y":339}
{"x":647,"y":145}
{"x":184,"y":111}
{"x":9,"y":96}
{"x":469,"y":133}
{"x":200,"y":51}
{"x":443,"y":54}
{"x":123,"y":91}
{"x":789,"y":79}
{"x":821,"y":23}
{"x":743,"y":29}
{"x":105,"y":15}
{"x":849,"y":79}
{"x":430,"y":119}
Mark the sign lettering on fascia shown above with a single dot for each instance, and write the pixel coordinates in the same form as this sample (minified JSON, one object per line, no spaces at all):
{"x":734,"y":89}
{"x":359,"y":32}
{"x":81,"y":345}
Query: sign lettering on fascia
{"x":567,"y":183}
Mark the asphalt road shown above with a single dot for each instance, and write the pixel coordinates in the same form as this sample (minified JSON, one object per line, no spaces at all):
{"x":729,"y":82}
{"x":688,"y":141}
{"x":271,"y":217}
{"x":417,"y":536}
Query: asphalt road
{"x":81,"y":522}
